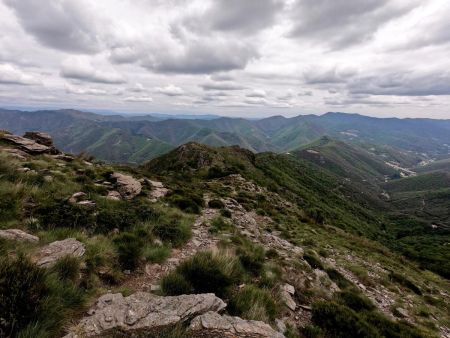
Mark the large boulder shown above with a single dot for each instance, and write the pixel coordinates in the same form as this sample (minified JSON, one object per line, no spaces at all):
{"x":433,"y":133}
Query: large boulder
{"x":212,"y":325}
{"x":47,"y":256}
{"x":40,"y":137}
{"x":18,"y":235}
{"x":126,"y":185}
{"x":142,"y":312}
{"x":25,"y":144}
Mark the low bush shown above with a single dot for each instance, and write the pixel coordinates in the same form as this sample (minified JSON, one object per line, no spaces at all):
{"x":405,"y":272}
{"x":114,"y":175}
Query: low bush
{"x":225,"y":213}
{"x":338,"y":278}
{"x":207,"y":272}
{"x":253,"y":303}
{"x":404,"y":281}
{"x":252,"y":257}
{"x":129,"y":248}
{"x":355,"y":301}
{"x":34,"y":302}
{"x":175,"y":284}
{"x":216,"y":204}
{"x":340,"y":321}
{"x":389,"y":328}
{"x":172,"y":230}
{"x":157,"y":254}
{"x":187,"y":202}
{"x":67,"y":269}
{"x":313,"y":260}
{"x":218,"y":224}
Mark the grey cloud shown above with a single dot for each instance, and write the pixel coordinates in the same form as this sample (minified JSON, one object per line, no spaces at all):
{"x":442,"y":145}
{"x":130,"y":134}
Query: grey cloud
{"x":222,"y":86}
{"x":333,"y":75}
{"x":60,"y":24}
{"x":247,"y":16}
{"x":81,"y":69}
{"x":407,"y":84}
{"x":342,"y":23}
{"x":202,"y":57}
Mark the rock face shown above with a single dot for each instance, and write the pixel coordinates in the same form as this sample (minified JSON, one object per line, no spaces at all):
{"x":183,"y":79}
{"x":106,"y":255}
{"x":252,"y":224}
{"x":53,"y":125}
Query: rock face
{"x":142,"y":312}
{"x":127,"y":186}
{"x":18,"y":235}
{"x":40,"y":137}
{"x":212,"y":324}
{"x":50,"y":254}
{"x":25,"y":144}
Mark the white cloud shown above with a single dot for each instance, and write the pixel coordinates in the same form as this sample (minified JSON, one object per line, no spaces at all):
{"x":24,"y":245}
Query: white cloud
{"x":138,"y":99}
{"x":10,"y":74}
{"x":170,"y":90}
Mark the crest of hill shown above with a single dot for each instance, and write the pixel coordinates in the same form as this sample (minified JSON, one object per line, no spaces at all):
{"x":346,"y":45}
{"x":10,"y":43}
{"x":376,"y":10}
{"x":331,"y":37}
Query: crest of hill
{"x":196,"y":157}
{"x":345,"y":160}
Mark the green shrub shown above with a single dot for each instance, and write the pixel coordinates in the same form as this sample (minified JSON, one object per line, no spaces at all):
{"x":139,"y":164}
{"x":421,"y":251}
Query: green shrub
{"x":34,"y":302}
{"x":206,"y":272}
{"x":389,"y":328}
{"x":340,"y":321}
{"x":157,"y":254}
{"x":175,"y":284}
{"x":338,"y":278}
{"x":357,"y":302}
{"x":216,"y":204}
{"x":129,"y":248}
{"x":311,"y":331}
{"x":225,"y":213}
{"x":172,"y":230}
{"x":253,"y":303}
{"x":404,"y":281}
{"x":23,"y":292}
{"x":67,"y":268}
{"x":54,"y":214}
{"x":313,"y":260}
{"x":187,"y":202}
{"x":252,"y":257}
{"x":218,"y":224}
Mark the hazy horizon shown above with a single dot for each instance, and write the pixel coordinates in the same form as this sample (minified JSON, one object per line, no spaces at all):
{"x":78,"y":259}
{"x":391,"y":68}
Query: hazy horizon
{"x":379,"y":58}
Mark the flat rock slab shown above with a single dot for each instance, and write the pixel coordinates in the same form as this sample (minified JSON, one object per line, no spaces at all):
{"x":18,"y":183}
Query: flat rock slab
{"x":212,"y":324}
{"x":25,"y":144}
{"x":40,"y":137}
{"x":18,"y":235}
{"x":142,"y":312}
{"x":126,"y":185}
{"x":48,"y":255}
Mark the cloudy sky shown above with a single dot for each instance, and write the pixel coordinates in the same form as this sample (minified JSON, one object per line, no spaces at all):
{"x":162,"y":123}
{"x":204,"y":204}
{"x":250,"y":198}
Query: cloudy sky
{"x":229,"y":57}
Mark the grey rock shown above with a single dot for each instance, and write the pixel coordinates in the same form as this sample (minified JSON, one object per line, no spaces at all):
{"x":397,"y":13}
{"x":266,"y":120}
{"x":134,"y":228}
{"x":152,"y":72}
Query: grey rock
{"x":18,"y":235}
{"x":142,"y":312}
{"x":126,"y":185}
{"x":47,"y":256}
{"x":25,"y":144}
{"x":212,"y":324}
{"x":114,"y":195}
{"x":40,"y":137}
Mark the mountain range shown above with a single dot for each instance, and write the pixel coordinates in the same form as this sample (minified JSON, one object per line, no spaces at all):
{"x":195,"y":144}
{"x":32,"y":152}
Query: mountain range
{"x":135,"y":139}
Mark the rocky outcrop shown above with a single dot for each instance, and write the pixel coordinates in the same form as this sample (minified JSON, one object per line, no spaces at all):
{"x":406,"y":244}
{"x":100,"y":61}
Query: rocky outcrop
{"x":212,"y":325}
{"x":25,"y":144}
{"x":126,"y":185}
{"x":47,"y":256}
{"x":143,"y":312}
{"x":18,"y":235}
{"x":40,"y":137}
{"x":157,"y":190}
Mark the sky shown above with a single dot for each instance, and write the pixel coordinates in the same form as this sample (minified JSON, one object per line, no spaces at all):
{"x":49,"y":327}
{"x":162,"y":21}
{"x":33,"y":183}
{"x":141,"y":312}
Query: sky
{"x":245,"y":58}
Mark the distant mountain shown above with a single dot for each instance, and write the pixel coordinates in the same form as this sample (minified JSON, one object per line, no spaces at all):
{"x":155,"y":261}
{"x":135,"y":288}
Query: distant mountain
{"x":403,"y":141}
